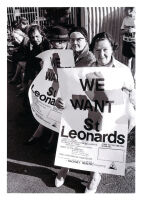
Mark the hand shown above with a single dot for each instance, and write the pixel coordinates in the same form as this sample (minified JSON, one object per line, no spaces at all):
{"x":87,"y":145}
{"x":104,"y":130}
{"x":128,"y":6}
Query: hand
{"x":60,"y":103}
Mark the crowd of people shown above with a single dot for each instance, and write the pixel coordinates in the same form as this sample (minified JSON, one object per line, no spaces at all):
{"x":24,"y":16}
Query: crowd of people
{"x":30,"y":40}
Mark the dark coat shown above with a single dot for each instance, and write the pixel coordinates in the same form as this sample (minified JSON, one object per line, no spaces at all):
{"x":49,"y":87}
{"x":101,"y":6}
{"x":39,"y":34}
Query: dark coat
{"x":33,"y":66}
{"x":86,"y":58}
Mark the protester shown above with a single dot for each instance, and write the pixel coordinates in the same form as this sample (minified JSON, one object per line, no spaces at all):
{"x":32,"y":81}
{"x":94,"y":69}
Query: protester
{"x":59,"y":40}
{"x":128,"y":32}
{"x":38,"y":44}
{"x":83,"y":58}
{"x":102,"y":46}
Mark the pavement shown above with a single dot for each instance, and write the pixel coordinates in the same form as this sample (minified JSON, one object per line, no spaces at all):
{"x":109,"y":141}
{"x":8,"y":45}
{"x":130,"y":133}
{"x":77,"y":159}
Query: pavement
{"x":32,"y":170}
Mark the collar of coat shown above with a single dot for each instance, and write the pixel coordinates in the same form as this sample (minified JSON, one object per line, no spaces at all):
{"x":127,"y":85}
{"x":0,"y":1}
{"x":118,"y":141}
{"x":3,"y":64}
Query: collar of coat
{"x":82,"y":53}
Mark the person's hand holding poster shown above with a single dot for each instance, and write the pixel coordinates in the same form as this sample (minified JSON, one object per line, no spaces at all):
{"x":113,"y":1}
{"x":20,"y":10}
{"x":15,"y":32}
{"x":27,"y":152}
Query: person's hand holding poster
{"x":94,"y":124}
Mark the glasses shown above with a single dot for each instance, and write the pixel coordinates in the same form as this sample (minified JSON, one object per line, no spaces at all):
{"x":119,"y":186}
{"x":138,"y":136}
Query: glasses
{"x":76,"y":39}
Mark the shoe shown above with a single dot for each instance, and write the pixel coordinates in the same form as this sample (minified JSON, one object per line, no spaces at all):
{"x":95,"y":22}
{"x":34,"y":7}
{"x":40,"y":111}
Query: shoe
{"x":60,"y":178}
{"x":31,"y":141}
{"x":93,"y":184}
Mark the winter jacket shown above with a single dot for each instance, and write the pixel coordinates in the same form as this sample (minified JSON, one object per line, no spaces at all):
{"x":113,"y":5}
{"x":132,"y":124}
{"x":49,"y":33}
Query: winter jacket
{"x":85,"y":58}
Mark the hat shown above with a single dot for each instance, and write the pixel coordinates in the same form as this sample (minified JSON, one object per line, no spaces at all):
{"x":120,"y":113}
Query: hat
{"x":81,"y":30}
{"x":59,"y":33}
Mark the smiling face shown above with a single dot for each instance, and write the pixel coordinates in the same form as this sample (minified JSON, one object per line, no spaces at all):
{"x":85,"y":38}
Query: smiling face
{"x":77,"y":41}
{"x":103,"y":52}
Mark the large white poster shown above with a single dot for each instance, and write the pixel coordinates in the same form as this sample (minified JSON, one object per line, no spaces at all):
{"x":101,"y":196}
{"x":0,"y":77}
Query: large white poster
{"x":94,"y":124}
{"x":44,"y":90}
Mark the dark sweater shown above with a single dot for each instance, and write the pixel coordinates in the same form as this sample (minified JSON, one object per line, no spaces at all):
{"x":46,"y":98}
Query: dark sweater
{"x":33,"y":63}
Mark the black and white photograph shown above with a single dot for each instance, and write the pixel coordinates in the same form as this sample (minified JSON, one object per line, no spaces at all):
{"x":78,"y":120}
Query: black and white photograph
{"x":71,"y":99}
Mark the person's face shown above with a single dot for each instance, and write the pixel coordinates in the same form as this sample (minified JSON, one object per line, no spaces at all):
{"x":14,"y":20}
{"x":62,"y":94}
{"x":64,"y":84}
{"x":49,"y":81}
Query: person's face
{"x":59,"y":44}
{"x":23,"y":25}
{"x":18,"y":38}
{"x":77,"y":41}
{"x":36,"y":38}
{"x":103,"y":52}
